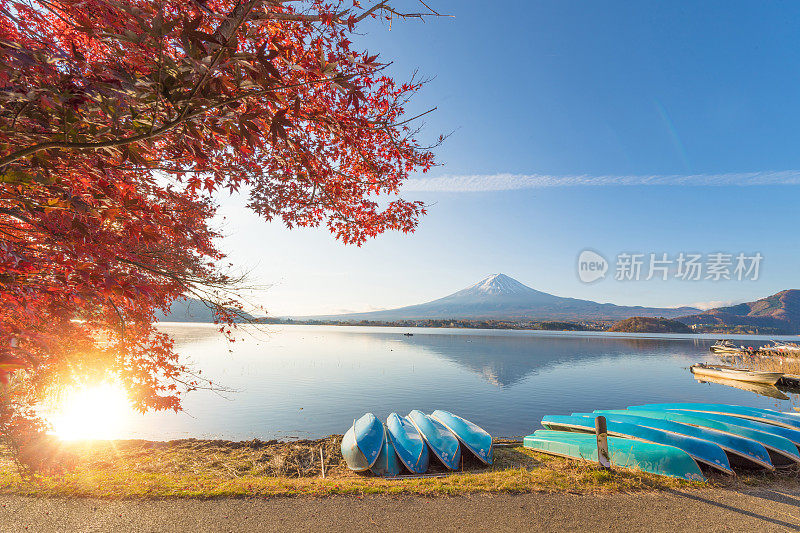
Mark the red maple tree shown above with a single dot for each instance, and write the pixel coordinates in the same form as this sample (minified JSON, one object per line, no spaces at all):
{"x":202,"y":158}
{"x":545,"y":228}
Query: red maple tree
{"x":119,"y":119}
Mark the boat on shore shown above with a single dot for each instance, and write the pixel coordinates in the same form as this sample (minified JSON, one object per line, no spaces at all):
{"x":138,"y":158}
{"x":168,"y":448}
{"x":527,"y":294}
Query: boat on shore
{"x":766,"y":416}
{"x":738,"y":374}
{"x":624,"y":453}
{"x":387,"y":464}
{"x":441,"y":441}
{"x":703,"y":451}
{"x":363,"y":443}
{"x":781,"y":450}
{"x":472,"y":438}
{"x":741,"y":451}
{"x":408,"y":443}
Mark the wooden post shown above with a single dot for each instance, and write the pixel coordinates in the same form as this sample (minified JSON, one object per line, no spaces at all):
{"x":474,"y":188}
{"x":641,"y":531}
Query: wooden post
{"x":322,"y":460}
{"x":603,"y":456}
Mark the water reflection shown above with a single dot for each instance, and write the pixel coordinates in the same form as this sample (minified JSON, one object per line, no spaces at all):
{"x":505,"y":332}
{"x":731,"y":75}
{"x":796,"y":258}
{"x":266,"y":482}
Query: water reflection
{"x":503,"y":360}
{"x":307,"y":381}
{"x":770,"y":391}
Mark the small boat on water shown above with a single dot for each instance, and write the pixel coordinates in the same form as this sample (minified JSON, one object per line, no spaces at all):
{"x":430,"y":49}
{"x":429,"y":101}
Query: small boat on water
{"x":729,"y":372}
{"x":442,"y":442}
{"x":408,"y":443}
{"x":725,"y":346}
{"x":363,"y":442}
{"x":624,"y":453}
{"x":387,"y":464}
{"x":472,"y":437}
{"x":702,"y":451}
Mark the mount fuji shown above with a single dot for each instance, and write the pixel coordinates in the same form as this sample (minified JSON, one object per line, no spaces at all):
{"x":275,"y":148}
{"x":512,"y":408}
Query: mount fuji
{"x":501,"y":297}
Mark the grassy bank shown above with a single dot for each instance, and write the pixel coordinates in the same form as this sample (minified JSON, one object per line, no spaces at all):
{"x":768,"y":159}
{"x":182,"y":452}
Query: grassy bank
{"x":204,"y":469}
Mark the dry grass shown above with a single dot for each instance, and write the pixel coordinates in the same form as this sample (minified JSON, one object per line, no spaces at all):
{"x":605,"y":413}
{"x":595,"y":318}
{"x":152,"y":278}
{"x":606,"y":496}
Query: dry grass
{"x":207,"y":469}
{"x":766,"y":363}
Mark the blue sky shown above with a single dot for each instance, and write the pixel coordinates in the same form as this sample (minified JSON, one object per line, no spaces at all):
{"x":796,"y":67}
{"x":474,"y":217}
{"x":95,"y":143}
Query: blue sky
{"x":572,"y":108}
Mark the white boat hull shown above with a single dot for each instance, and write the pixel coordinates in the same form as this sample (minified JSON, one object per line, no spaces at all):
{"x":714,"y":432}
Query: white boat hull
{"x":767,"y":378}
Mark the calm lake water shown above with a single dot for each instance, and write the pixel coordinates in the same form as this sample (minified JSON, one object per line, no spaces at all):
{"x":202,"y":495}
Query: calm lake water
{"x":311,"y":381}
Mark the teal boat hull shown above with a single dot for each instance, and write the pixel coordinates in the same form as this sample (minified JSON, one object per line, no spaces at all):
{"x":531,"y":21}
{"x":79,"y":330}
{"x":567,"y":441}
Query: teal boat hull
{"x":625,"y":453}
{"x":782,"y":451}
{"x":440,"y":440}
{"x":701,"y":450}
{"x":408,"y":443}
{"x":471,"y":436}
{"x":387,"y":464}
{"x":741,"y":451}
{"x":752,"y":413}
{"x":362,"y":443}
{"x":787,"y":433}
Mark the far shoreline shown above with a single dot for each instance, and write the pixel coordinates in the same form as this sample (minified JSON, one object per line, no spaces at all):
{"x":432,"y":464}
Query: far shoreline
{"x":711,"y":336}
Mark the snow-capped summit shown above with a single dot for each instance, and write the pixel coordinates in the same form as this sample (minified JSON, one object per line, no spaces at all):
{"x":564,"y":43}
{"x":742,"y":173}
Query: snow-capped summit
{"x":500,"y":284}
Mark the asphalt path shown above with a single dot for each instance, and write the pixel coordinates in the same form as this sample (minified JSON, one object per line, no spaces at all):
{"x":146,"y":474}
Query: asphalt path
{"x":707,"y":510}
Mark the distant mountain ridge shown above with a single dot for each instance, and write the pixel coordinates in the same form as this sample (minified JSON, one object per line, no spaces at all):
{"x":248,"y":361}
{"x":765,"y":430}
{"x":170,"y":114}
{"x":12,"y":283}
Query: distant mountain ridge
{"x":500,"y":297}
{"x":190,"y":310}
{"x":779,"y":313}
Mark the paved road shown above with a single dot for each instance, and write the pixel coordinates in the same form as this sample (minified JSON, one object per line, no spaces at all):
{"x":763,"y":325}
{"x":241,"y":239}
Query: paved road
{"x":673,"y":511}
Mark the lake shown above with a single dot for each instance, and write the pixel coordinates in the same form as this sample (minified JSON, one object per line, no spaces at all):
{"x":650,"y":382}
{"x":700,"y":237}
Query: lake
{"x":292,"y":382}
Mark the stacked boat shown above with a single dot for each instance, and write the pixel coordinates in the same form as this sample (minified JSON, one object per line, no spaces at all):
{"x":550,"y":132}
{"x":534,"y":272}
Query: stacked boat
{"x":684,"y":440}
{"x":411,"y":442}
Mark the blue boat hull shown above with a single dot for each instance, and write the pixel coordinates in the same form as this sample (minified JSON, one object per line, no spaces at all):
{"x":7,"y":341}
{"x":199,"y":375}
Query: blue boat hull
{"x":408,"y":443}
{"x":472,"y":437}
{"x":387,"y":464}
{"x":782,"y":451}
{"x":744,"y":452}
{"x":362,"y":443}
{"x":625,"y":453}
{"x":788,"y":433}
{"x":440,"y":440}
{"x":752,"y":413}
{"x":701,"y":450}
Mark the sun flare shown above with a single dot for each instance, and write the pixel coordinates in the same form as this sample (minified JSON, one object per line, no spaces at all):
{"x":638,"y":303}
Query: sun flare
{"x":97,"y":412}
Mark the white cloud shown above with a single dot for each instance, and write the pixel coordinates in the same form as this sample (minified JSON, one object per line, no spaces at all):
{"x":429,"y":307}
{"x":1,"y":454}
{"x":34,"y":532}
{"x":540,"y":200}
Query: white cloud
{"x":508,"y":182}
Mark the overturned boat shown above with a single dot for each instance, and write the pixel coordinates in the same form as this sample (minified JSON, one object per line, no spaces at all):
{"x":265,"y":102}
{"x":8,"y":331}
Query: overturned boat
{"x":409,"y":442}
{"x":363,"y":442}
{"x":409,"y":445}
{"x":624,"y":453}
{"x":442,"y":442}
{"x":702,"y":451}
{"x":472,"y":438}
